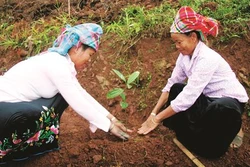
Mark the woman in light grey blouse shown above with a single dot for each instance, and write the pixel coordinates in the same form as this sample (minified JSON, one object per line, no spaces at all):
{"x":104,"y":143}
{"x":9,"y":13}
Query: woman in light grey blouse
{"x":203,"y":100}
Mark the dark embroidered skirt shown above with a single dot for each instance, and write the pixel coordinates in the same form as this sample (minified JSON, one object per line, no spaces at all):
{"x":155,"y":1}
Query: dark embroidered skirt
{"x":29,"y":128}
{"x":208,"y":126}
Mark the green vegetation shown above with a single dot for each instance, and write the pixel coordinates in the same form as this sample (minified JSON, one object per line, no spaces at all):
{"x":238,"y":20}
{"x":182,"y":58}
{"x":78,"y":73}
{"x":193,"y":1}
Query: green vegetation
{"x":129,"y":82}
{"x":135,"y":20}
{"x":233,"y":15}
{"x":134,"y":23}
{"x":33,"y":37}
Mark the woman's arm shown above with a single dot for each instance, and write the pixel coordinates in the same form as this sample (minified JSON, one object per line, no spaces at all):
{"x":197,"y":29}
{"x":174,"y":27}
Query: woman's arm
{"x":162,"y":100}
{"x":178,"y":75}
{"x":166,"y":113}
{"x":154,"y":119}
{"x":64,"y":79}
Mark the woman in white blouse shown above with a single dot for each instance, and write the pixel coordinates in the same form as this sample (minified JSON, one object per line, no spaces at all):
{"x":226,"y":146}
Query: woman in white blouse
{"x":202,"y":101}
{"x":35,"y":92}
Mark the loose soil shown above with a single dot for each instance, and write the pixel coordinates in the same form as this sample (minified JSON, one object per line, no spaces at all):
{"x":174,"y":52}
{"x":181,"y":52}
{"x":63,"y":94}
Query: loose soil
{"x":154,"y":58}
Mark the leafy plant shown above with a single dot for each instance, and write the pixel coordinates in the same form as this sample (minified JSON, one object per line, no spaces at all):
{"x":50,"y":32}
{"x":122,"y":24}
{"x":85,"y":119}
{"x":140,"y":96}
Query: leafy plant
{"x":129,"y":82}
{"x":136,"y":22}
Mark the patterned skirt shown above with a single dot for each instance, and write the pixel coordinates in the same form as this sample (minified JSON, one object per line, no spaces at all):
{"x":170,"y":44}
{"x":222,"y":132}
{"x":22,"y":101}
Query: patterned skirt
{"x":29,"y":128}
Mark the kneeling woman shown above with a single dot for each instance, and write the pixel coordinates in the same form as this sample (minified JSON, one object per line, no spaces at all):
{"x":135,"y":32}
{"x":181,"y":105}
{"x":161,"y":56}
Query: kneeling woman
{"x":35,"y":92}
{"x":202,"y":101}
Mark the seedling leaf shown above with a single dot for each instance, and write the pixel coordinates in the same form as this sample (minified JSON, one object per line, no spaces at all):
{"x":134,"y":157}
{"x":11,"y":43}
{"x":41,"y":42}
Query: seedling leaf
{"x":123,"y":104}
{"x":114,"y":93}
{"x":123,"y":96}
{"x":129,"y":86}
{"x":120,"y":75}
{"x":132,"y":77}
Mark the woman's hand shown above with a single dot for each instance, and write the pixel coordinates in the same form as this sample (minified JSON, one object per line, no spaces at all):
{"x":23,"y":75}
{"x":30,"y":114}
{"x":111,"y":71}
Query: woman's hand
{"x":150,"y":124}
{"x":149,"y":118}
{"x":154,"y":120}
{"x":115,"y":130}
{"x":118,"y":129}
{"x":120,"y":125}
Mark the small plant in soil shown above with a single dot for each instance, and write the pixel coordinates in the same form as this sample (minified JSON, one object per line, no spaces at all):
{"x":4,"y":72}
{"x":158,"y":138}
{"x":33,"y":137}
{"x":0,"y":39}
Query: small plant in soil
{"x":132,"y":79}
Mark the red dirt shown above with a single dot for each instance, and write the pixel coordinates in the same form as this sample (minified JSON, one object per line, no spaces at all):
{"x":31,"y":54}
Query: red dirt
{"x":154,"y":58}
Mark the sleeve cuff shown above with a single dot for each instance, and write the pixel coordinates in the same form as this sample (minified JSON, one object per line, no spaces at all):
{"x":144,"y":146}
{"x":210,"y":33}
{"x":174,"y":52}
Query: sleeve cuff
{"x":105,"y":127}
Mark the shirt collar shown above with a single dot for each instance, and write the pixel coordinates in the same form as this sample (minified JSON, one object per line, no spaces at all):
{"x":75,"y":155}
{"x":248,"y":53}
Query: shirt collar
{"x":197,"y":49}
{"x":72,"y":65}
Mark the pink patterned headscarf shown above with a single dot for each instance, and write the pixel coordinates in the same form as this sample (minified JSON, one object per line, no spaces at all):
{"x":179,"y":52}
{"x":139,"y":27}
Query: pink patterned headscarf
{"x":188,"y":20}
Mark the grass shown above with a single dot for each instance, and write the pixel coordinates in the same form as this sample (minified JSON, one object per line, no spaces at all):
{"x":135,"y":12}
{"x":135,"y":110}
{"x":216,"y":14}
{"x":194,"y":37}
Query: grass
{"x":136,"y":21}
{"x":35,"y":37}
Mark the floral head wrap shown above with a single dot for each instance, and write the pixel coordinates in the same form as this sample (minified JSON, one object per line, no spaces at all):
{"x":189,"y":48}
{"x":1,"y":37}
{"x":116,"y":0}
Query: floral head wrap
{"x":88,"y":34}
{"x":188,"y":20}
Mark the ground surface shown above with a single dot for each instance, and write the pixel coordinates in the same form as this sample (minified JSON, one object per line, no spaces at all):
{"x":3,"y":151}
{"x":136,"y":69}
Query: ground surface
{"x":154,"y":58}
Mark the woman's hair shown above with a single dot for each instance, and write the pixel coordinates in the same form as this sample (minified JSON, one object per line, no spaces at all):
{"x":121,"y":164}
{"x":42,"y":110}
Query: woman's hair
{"x":84,"y":46}
{"x":196,"y":32}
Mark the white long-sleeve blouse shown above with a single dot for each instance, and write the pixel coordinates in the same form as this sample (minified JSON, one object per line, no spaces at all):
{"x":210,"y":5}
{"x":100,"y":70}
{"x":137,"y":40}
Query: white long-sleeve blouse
{"x":206,"y":72}
{"x":45,"y":75}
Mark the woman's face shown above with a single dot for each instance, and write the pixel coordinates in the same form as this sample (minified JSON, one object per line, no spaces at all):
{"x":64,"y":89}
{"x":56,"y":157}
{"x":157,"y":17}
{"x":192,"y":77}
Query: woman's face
{"x":81,"y":57}
{"x":185,"y":44}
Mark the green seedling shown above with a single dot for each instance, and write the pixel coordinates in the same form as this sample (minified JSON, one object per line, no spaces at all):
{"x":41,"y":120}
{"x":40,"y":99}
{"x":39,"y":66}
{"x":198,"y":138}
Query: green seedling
{"x":130,"y":81}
